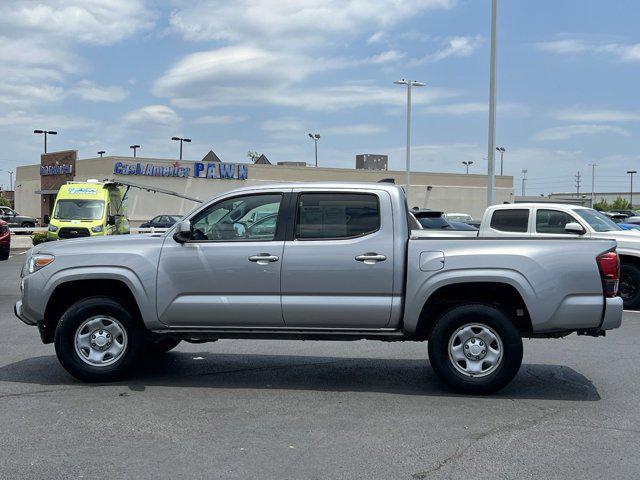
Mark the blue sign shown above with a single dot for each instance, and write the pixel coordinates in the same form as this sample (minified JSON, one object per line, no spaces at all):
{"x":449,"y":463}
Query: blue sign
{"x":200,"y":170}
{"x":64,"y":169}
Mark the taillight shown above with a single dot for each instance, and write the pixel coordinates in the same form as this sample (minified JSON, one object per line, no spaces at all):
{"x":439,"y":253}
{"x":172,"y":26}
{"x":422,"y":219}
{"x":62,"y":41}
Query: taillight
{"x":609,"y":265}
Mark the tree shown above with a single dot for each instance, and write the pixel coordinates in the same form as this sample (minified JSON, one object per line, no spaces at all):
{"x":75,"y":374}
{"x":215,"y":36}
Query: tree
{"x":602,"y":205}
{"x":253,"y":155}
{"x":4,"y":202}
{"x":620,"y":204}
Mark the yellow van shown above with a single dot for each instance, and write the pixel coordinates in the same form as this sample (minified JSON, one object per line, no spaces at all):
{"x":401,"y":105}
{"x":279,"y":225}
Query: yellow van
{"x":86,"y":209}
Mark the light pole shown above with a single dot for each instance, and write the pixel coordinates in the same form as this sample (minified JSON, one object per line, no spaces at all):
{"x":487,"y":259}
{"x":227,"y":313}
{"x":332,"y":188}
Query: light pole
{"x":178,"y":139}
{"x":134,"y":148}
{"x":45,"y":133}
{"x":593,"y":183}
{"x":524,"y":181}
{"x":501,"y":150}
{"x":466,"y":164}
{"x":631,"y":172}
{"x":315,"y":137}
{"x":10,"y":178}
{"x":101,"y":153}
{"x":409,"y":84}
{"x":492,"y":104}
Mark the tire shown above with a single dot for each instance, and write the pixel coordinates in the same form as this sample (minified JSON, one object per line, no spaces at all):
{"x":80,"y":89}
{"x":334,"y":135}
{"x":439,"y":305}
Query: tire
{"x":4,"y":253}
{"x":465,"y":331}
{"x":630,"y":285}
{"x":28,"y":225}
{"x":161,"y":345}
{"x":110,"y":324}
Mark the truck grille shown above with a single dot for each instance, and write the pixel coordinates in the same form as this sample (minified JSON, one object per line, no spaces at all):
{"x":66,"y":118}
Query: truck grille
{"x":70,"y":232}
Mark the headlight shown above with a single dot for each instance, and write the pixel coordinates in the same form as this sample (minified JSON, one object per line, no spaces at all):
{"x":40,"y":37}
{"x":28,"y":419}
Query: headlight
{"x":96,"y":229}
{"x":53,"y":228}
{"x":38,"y":261}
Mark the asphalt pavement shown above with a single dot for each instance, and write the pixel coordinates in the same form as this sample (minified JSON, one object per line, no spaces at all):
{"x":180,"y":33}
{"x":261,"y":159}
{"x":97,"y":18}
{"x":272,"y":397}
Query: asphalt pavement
{"x":281,"y":410}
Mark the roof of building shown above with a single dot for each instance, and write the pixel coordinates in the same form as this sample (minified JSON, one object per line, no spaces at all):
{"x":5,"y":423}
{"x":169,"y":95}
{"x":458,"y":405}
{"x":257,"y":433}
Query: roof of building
{"x":211,"y":157}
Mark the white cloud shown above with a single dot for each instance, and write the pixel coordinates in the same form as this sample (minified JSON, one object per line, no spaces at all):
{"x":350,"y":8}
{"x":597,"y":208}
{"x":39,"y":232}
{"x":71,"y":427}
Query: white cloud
{"x":285,"y":124}
{"x":220,"y":119}
{"x":389,"y":56}
{"x":152,"y":114}
{"x":568,"y":131}
{"x":88,"y":90}
{"x":355,"y":129}
{"x":475,"y":108}
{"x":584,"y":115}
{"x":86,"y":21}
{"x":292,"y":24}
{"x":576,"y":46}
{"x":459,"y":46}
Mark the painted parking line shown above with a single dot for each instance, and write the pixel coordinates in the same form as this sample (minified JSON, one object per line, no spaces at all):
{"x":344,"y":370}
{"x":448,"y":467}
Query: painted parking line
{"x":21,"y":253}
{"x":631,"y":311}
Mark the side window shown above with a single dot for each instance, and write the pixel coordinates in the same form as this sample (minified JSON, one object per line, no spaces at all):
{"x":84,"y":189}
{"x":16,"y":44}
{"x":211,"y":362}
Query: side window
{"x":336,"y":215}
{"x":510,"y":220}
{"x":238,"y":219}
{"x":552,"y":221}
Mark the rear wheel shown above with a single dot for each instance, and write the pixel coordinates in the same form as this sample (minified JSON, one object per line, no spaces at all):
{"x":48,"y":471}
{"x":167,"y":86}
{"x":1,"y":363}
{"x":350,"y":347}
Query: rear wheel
{"x":97,"y":340}
{"x":28,"y":225}
{"x":629,"y":288}
{"x":475,"y":349}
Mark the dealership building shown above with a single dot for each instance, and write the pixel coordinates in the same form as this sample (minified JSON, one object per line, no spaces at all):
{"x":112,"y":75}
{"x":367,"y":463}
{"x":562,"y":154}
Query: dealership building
{"x":37,"y":185}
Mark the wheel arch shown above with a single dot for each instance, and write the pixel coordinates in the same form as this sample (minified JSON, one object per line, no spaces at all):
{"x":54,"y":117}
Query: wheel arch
{"x":67,"y":293}
{"x":500,"y":295}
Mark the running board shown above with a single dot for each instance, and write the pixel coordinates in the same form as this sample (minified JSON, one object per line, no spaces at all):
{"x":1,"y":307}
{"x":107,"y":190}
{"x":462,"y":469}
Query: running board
{"x":283,"y":333}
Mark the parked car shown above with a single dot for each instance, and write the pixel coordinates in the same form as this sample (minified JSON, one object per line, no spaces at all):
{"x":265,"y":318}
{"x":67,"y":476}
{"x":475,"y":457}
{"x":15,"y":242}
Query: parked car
{"x":627,"y":212}
{"x":553,"y":220}
{"x":14,"y":219}
{"x":161,"y":221}
{"x":5,"y":240}
{"x":621,"y":220}
{"x":458,"y":217}
{"x":341,"y":264}
{"x":435,"y":220}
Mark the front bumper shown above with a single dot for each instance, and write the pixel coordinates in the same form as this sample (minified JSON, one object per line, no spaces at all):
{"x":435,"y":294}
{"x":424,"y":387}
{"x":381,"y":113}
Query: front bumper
{"x":19,"y":312}
{"x":612,"y":313}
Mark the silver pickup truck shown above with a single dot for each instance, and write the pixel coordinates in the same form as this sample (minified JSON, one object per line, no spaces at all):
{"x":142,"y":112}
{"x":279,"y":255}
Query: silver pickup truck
{"x":324,"y":261}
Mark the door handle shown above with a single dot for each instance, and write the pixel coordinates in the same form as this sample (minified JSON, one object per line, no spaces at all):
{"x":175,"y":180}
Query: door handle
{"x":263,"y":258}
{"x":371,"y":258}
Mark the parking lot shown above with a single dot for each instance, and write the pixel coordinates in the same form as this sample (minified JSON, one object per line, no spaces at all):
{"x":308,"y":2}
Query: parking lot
{"x":301,"y":410}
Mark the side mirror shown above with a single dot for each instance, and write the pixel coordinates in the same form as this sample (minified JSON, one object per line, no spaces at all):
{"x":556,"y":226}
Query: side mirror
{"x":111,"y":220}
{"x":574,"y":227}
{"x":183,"y":231}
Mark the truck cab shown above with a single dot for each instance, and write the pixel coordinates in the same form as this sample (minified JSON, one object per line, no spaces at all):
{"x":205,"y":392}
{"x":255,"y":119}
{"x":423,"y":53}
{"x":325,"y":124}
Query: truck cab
{"x":87,"y":209}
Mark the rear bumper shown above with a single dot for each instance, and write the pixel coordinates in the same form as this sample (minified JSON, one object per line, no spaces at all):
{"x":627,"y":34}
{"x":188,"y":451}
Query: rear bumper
{"x":612,"y":314}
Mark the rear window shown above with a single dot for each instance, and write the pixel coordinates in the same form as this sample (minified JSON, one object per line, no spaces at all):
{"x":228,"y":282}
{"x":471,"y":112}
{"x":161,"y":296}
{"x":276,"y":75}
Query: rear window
{"x":336,"y":215}
{"x":510,"y":220}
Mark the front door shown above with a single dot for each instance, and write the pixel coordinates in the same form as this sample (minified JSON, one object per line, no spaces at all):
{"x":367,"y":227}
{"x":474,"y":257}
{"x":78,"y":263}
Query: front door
{"x":338,"y":267}
{"x":228,"y":274}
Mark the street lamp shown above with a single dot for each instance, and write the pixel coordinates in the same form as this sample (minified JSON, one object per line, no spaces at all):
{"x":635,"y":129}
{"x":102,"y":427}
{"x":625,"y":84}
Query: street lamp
{"x":10,"y":178}
{"x":492,"y":104}
{"x":631,"y":172}
{"x":179,"y":139}
{"x":101,"y":152}
{"x":466,"y":164}
{"x":134,"y":148}
{"x":315,"y":137}
{"x":45,"y":133}
{"x":501,"y":150}
{"x":409,"y":84}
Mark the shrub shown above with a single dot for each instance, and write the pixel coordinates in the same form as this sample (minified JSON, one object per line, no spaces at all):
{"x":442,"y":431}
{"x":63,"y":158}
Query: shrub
{"x":39,"y":237}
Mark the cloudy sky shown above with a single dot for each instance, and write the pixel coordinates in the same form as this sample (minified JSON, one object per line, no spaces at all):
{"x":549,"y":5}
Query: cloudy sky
{"x":260,"y":74}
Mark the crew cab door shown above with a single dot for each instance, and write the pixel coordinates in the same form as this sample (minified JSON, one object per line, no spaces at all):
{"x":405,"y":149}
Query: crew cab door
{"x":339,"y":260}
{"x":228,"y":274}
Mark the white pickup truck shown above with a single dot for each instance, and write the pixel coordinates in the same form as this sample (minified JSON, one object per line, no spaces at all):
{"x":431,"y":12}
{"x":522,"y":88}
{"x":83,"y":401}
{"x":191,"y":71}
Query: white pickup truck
{"x":553,"y":220}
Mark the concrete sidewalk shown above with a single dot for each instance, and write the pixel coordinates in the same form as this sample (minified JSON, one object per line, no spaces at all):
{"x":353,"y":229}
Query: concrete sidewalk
{"x":21,"y":242}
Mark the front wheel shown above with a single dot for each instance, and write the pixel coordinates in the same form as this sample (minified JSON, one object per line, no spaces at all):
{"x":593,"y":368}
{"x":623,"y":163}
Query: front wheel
{"x":97,"y":340}
{"x":475,"y":349}
{"x":28,"y":225}
{"x":630,"y":285}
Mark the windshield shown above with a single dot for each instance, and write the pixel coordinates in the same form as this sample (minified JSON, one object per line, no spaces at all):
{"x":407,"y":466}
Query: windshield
{"x":433,"y":222}
{"x":598,"y":221}
{"x":79,"y":210}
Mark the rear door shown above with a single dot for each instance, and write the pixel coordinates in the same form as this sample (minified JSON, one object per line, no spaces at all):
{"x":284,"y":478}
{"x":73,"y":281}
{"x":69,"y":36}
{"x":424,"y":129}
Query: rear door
{"x":338,"y":260}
